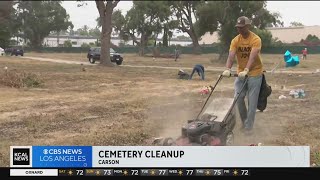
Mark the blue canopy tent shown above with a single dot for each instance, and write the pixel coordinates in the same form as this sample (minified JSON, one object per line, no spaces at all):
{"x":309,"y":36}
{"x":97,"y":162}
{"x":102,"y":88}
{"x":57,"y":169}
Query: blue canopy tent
{"x":290,"y":60}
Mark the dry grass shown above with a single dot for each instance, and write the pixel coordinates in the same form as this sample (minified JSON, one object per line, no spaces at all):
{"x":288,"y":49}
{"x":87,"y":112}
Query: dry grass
{"x":208,"y":60}
{"x":19,"y":79}
{"x":128,"y":106}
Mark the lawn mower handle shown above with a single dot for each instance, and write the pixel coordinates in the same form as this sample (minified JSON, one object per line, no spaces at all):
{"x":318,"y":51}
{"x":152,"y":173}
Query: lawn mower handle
{"x":213,"y":87}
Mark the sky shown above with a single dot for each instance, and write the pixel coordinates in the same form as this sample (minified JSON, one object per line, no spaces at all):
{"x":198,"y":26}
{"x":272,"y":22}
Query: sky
{"x":306,"y":12}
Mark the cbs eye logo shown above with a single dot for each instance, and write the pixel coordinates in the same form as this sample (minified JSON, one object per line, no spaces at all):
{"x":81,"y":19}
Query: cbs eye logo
{"x":21,"y":156}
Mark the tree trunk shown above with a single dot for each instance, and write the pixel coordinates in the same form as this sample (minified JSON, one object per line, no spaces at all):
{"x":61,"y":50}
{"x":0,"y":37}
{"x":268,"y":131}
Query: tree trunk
{"x":106,"y":38}
{"x":224,"y":44}
{"x":58,"y":38}
{"x":195,"y":42}
{"x":36,"y":42}
{"x":105,"y":12}
{"x":165,"y":37}
{"x":196,"y":46}
{"x":143,"y":42}
{"x":223,"y":53}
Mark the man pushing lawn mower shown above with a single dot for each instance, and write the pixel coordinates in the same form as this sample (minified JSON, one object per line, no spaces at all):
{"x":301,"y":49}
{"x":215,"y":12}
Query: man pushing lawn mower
{"x":214,"y":124}
{"x":246,"y":46}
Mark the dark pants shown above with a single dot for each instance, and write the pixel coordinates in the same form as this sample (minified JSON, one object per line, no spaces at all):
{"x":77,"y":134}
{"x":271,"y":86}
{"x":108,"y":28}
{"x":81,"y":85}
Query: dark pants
{"x":199,"y":71}
{"x":176,"y":56}
{"x":304,"y":56}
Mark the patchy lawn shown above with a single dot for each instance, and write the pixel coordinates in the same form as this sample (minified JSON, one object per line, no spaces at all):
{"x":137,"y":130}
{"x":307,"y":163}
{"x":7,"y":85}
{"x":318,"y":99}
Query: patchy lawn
{"x":129,"y":106}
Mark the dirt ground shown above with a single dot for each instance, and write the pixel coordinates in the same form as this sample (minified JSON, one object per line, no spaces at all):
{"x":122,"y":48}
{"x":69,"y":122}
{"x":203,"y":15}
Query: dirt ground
{"x":129,"y":106}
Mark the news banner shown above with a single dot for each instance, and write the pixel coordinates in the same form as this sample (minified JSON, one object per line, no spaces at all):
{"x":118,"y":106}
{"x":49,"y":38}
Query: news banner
{"x":156,"y":160}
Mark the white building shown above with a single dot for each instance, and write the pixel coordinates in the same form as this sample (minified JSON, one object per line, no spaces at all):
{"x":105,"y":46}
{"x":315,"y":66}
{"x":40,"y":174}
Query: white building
{"x":284,"y":34}
{"x":77,"y":41}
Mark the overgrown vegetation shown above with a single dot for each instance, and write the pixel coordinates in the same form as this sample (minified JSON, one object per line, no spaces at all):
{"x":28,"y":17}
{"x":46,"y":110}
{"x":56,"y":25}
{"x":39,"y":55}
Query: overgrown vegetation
{"x":19,"y":79}
{"x":317,"y":158}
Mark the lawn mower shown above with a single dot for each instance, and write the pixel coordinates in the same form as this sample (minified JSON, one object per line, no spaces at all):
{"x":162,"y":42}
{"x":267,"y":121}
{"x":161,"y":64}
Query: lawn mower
{"x":213,"y":125}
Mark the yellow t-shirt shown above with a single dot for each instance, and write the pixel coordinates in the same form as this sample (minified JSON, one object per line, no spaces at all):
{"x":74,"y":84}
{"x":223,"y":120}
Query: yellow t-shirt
{"x":243,"y":49}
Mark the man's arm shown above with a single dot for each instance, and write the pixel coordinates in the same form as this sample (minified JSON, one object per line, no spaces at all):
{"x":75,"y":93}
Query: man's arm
{"x":253,"y":55}
{"x":256,"y":47}
{"x":230,"y":59}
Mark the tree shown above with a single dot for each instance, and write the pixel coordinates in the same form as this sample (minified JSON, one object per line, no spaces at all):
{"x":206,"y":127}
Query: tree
{"x":170,"y":34}
{"x":296,"y":24}
{"x":168,"y":28}
{"x":118,"y":24}
{"x":311,"y":40}
{"x":84,"y":31}
{"x":95,"y":33}
{"x":184,"y":11}
{"x":8,"y":22}
{"x":39,"y":18}
{"x":221,"y":16}
{"x":265,"y":36}
{"x":118,"y":21}
{"x":5,"y":10}
{"x":145,"y":19}
{"x":105,"y":9}
{"x":62,"y":22}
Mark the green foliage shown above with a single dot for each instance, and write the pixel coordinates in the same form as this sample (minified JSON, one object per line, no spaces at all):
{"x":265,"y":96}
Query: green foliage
{"x":32,"y":80}
{"x":38,"y":18}
{"x":183,"y":12}
{"x":275,"y":42}
{"x":8,"y":22}
{"x":168,"y":27}
{"x":84,"y":31}
{"x":118,"y":20}
{"x":95,"y":33}
{"x":312,"y":38}
{"x":145,"y":19}
{"x":150,"y":42}
{"x":317,"y":158}
{"x":265,"y":35}
{"x":296,"y":24}
{"x":85,"y":45}
{"x":221,"y":16}
{"x":67,"y":43}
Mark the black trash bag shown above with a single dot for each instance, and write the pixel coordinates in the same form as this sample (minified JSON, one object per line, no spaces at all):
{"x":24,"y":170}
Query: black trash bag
{"x":265,"y":92}
{"x":183,"y":75}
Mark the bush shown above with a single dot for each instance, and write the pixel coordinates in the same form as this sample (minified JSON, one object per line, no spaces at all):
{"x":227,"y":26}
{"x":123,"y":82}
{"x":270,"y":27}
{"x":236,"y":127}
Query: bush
{"x":317,"y":159}
{"x":85,"y":45}
{"x":67,"y":43}
{"x":16,"y":79}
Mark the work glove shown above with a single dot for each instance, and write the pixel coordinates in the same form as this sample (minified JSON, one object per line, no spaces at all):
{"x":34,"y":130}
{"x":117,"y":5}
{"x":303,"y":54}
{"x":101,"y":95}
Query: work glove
{"x":226,"y":73}
{"x":242,"y":75}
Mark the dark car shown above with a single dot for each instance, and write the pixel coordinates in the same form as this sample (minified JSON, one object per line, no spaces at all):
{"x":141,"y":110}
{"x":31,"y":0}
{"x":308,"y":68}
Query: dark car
{"x":15,"y":51}
{"x":94,"y":55}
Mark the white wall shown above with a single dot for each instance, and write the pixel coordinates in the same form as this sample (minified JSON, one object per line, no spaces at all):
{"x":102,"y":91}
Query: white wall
{"x":52,"y":41}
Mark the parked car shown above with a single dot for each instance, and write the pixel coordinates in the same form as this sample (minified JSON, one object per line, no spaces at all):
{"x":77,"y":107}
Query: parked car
{"x":17,"y":50}
{"x":2,"y":53}
{"x":94,"y":55}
